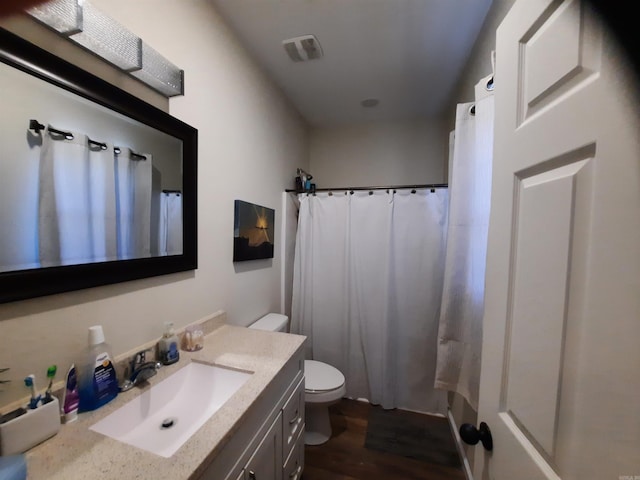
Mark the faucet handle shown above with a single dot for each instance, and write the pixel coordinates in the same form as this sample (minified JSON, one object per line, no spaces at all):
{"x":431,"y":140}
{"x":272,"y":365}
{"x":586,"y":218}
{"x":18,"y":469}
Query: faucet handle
{"x":140,"y":357}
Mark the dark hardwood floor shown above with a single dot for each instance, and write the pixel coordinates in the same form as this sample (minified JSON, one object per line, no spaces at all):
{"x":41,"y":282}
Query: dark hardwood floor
{"x":344,"y":456}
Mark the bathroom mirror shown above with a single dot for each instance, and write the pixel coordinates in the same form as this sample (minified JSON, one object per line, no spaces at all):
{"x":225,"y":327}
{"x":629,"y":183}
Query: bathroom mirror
{"x":96,"y":185}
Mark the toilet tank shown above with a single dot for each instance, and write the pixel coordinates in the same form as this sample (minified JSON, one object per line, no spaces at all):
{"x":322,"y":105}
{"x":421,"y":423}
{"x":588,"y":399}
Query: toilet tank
{"x":273,"y":322}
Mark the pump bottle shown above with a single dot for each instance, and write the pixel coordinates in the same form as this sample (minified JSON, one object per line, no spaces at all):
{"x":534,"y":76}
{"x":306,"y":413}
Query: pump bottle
{"x":168,"y":345}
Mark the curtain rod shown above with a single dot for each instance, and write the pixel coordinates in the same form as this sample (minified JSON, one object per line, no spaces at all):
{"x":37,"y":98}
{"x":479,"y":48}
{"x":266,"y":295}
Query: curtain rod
{"x":37,"y":127}
{"x":390,"y":187}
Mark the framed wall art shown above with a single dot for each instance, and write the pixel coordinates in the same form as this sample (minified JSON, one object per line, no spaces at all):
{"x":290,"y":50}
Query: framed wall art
{"x":253,"y":234}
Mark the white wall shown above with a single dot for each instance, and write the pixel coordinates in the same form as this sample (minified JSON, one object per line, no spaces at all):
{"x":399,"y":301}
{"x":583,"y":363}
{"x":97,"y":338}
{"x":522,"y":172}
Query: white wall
{"x":399,"y":153}
{"x":250,"y":143}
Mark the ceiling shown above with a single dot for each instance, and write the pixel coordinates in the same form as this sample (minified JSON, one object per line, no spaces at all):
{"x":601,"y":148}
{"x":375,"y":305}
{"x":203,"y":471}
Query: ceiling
{"x":408,"y":54}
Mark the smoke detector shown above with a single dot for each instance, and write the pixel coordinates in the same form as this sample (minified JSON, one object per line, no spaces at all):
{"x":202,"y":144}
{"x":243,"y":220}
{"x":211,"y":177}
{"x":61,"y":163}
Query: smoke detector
{"x":302,"y":48}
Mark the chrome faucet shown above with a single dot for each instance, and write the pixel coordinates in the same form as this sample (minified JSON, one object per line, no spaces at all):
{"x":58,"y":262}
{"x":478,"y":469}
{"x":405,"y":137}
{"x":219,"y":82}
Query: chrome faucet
{"x":140,"y":370}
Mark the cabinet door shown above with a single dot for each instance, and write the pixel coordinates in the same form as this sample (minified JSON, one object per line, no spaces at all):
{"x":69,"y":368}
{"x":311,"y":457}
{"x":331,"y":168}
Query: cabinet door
{"x":266,"y":462}
{"x":293,"y":418}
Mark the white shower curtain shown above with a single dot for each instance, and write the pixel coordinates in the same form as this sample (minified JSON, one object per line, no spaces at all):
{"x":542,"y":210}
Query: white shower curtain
{"x":133,"y":204}
{"x":170,"y":235}
{"x":367,"y":287}
{"x":64,"y":217}
{"x":460,"y":326}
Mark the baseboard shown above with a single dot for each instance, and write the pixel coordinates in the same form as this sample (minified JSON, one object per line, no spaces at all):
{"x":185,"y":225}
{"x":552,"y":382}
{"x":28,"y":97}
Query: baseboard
{"x":456,"y":436}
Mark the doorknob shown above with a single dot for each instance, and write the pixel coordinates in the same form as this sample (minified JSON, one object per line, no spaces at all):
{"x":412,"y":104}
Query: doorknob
{"x":471,"y":435}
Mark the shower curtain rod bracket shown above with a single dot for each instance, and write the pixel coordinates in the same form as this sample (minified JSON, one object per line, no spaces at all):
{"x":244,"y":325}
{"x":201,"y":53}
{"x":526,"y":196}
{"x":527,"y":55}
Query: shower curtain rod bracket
{"x":36,"y":126}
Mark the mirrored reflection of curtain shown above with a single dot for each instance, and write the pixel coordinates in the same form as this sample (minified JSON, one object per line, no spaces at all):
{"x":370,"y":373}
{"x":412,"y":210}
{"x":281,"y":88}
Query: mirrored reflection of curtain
{"x":64,"y":217}
{"x":133,"y":205}
{"x":102,"y":204}
{"x":76,"y":202}
{"x":170,"y":236}
{"x":19,"y":194}
{"x":460,"y":330}
{"x":367,"y":288}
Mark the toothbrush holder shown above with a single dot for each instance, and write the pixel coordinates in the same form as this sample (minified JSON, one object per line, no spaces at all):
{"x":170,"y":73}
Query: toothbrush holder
{"x":28,"y":430}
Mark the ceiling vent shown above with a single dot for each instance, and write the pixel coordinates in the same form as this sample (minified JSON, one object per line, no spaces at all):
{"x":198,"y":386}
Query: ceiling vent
{"x":302,"y":48}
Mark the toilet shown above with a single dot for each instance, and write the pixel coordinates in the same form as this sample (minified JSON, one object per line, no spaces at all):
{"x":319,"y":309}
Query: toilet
{"x":324,"y":386}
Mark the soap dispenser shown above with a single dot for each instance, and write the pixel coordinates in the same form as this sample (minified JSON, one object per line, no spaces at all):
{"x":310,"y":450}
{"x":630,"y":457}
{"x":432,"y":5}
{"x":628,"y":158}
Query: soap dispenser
{"x":168,"y":346}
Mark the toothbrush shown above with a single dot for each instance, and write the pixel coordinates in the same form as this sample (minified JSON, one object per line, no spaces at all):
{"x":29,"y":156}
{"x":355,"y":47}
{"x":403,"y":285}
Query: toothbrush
{"x":51,"y":372}
{"x":30,"y":381}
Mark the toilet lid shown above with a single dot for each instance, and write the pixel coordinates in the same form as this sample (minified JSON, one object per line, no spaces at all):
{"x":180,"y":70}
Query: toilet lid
{"x":321,"y":377}
{"x":273,"y":322}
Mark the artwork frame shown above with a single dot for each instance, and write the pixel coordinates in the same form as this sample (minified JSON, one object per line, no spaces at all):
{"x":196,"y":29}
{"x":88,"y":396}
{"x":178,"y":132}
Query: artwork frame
{"x":253,"y":231}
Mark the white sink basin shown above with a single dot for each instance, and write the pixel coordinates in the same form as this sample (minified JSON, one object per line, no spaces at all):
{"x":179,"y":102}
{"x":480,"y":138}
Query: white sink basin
{"x":165,"y":416}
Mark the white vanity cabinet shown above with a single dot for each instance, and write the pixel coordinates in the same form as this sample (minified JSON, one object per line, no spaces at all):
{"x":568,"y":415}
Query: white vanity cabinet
{"x":269,"y":441}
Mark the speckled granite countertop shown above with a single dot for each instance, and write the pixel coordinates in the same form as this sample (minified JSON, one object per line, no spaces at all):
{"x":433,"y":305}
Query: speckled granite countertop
{"x":79,"y":453}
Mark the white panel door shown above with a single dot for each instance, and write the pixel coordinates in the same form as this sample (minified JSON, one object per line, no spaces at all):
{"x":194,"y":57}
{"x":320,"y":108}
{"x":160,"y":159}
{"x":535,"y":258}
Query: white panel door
{"x":560,"y":382}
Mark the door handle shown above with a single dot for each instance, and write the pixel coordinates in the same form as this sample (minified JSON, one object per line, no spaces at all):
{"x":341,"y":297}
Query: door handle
{"x":472,"y":435}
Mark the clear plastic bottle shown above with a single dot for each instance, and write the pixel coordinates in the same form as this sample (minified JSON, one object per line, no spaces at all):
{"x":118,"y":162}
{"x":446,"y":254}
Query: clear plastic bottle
{"x":168,"y":345}
{"x":97,"y":380}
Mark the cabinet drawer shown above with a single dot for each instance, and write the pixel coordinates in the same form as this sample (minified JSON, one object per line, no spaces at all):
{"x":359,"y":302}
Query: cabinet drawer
{"x":295,"y":463}
{"x":292,"y":418}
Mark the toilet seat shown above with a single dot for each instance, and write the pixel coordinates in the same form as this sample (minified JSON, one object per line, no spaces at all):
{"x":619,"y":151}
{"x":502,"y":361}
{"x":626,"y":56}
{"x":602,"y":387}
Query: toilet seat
{"x":323,"y":383}
{"x":321,"y":377}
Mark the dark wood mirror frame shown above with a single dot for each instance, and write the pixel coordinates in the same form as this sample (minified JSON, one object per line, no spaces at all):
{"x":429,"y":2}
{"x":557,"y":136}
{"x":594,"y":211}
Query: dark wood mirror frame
{"x":23,"y":284}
